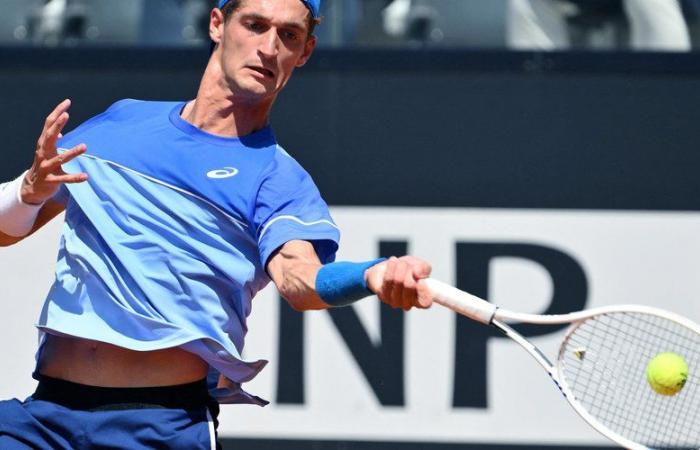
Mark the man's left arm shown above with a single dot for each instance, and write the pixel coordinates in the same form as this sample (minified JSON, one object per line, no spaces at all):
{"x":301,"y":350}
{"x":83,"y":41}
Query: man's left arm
{"x":295,"y":269}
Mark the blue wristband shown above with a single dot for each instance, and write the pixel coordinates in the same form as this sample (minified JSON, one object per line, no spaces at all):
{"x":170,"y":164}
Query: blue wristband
{"x":343,"y":283}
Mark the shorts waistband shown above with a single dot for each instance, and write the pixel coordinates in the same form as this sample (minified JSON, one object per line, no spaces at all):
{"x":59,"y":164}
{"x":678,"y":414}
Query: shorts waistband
{"x":95,"y":398}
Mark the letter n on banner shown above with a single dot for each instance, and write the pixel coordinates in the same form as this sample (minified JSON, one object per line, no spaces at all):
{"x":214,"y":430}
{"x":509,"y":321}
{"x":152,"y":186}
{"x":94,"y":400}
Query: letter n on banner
{"x":378,"y":362}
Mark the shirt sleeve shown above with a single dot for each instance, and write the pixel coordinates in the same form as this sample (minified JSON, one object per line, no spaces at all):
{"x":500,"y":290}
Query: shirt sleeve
{"x":70,"y":140}
{"x":74,"y":137}
{"x":289,"y":207}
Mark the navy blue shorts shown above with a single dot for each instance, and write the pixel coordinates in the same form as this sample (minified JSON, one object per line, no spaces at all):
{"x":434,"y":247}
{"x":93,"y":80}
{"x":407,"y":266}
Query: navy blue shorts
{"x":69,"y":416}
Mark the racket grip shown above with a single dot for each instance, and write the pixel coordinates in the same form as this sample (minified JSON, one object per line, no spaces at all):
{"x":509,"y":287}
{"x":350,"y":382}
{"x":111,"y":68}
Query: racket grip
{"x":461,"y":302}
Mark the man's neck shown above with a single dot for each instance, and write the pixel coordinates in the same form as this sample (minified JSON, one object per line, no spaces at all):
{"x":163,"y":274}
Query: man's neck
{"x":217,"y":111}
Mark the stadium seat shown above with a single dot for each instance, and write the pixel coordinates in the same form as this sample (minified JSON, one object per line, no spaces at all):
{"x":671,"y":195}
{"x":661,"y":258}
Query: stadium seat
{"x":14,"y":21}
{"x":461,"y":23}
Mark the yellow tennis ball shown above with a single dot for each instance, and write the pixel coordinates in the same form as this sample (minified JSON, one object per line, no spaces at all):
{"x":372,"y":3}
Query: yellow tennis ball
{"x":667,"y":373}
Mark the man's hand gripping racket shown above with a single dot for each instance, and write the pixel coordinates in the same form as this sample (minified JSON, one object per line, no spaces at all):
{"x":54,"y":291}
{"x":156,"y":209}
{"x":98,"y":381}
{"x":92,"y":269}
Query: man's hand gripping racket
{"x":632,"y":372}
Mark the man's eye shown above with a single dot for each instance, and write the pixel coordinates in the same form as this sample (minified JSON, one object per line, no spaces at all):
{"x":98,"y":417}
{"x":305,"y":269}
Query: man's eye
{"x":254,"y":26}
{"x":290,"y":35}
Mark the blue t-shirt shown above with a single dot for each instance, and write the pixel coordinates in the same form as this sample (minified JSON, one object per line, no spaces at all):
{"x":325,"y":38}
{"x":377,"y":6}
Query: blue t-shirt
{"x":166,"y":244}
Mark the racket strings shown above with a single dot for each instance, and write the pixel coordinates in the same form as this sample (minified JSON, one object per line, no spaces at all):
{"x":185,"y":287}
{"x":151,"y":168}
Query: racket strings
{"x":626,"y":403}
{"x":603,"y":362}
{"x":657,"y":413}
{"x":616,"y":411}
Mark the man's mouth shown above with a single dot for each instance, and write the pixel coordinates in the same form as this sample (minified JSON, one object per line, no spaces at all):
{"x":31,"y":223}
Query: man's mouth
{"x":267,"y":73}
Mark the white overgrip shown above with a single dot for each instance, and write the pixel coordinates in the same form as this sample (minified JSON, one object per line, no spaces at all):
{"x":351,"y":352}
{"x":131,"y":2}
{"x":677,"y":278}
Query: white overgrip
{"x":461,"y":302}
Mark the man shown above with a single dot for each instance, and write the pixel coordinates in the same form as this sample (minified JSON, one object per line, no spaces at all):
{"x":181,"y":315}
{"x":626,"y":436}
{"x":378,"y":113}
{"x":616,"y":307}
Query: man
{"x":176,"y":216}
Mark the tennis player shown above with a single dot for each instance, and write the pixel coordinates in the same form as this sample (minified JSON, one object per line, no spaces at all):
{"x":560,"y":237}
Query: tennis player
{"x":176,"y":215}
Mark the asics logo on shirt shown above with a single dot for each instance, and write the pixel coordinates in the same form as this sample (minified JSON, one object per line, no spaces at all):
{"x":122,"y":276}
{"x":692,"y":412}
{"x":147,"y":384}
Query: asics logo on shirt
{"x":226,"y":172}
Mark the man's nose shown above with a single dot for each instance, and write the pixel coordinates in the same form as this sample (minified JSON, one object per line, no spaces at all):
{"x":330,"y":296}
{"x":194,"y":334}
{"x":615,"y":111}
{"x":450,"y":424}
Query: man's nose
{"x":269,"y":46}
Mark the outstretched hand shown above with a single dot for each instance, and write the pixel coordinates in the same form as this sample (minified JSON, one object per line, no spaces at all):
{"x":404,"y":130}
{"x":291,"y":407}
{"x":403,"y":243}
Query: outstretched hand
{"x":46,"y":176}
{"x":397,"y":282}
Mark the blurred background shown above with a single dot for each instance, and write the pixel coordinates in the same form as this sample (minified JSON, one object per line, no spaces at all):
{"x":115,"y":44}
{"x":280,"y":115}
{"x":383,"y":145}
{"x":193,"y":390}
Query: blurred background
{"x":670,"y":25}
{"x":540,"y":153}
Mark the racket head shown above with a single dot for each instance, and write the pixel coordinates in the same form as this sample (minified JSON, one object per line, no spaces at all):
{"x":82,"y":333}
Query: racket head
{"x":601,"y":369}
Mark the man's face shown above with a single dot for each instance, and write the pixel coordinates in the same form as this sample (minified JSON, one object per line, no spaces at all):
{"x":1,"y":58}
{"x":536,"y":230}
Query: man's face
{"x":261,"y":44}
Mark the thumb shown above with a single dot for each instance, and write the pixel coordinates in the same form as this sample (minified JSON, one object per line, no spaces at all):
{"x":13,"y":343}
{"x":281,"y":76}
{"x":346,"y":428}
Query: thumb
{"x":424,"y":298}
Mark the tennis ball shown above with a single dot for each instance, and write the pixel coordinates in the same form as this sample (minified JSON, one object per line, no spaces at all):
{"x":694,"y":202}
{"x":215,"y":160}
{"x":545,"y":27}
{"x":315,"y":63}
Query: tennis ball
{"x":667,"y":373}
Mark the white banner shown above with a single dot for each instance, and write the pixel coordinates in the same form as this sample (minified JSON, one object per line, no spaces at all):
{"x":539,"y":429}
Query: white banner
{"x":649,"y":258}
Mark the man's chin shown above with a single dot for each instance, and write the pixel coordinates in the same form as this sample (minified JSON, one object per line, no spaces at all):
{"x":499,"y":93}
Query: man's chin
{"x":250,"y":96}
{"x":257,"y":88}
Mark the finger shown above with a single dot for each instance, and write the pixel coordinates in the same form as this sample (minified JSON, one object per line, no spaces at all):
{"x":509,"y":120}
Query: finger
{"x":51,"y":135}
{"x":55,"y":114}
{"x":57,"y":161}
{"x":47,"y":140}
{"x":421,"y":269}
{"x":409,"y":290}
{"x":397,"y":284}
{"x":71,"y":178}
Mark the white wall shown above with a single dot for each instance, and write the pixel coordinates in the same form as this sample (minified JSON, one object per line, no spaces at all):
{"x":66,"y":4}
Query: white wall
{"x":629,"y":257}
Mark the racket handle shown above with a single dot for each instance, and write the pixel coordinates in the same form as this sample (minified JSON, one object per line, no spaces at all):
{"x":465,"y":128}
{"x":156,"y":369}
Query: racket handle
{"x":461,"y":302}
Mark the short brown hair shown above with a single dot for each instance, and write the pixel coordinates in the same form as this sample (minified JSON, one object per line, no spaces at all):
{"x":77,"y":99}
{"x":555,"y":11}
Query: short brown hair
{"x":233,"y":5}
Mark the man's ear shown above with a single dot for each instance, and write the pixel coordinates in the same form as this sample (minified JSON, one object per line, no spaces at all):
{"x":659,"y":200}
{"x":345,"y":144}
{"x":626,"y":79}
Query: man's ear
{"x":308,"y":50}
{"x":216,"y":25}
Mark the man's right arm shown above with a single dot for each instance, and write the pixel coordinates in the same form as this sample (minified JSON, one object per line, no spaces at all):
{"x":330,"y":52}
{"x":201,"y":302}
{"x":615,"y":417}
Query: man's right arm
{"x":27,"y":204}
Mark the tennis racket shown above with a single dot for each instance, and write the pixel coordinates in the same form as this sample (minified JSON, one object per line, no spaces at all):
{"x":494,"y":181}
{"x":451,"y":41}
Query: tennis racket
{"x":601,"y":366}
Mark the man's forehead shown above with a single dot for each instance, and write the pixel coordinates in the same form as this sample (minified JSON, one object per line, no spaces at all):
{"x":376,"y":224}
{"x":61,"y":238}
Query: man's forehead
{"x":312,"y":6}
{"x":275,"y":4}
{"x":289,"y":12}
